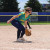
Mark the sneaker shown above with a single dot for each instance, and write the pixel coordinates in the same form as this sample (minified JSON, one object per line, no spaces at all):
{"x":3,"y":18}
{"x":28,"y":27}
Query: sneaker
{"x":23,"y":39}
{"x":19,"y":40}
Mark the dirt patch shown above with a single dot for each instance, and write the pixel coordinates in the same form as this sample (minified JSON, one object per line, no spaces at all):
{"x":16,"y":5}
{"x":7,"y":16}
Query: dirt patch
{"x":40,"y":38}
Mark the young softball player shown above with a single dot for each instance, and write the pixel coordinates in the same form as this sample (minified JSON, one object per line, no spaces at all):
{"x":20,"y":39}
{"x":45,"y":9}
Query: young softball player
{"x":17,"y":20}
{"x":27,"y":20}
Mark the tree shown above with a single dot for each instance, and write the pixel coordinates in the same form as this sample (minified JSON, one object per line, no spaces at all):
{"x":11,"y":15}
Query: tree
{"x":9,"y":6}
{"x":49,"y":4}
{"x":1,"y":7}
{"x":35,"y":5}
{"x":49,"y":1}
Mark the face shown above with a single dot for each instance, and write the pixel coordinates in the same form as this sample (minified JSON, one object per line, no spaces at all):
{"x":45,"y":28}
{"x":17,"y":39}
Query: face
{"x":30,"y":11}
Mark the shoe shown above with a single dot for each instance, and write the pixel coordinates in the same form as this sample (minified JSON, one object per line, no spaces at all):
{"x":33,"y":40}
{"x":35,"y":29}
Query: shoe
{"x":23,"y":39}
{"x":19,"y":40}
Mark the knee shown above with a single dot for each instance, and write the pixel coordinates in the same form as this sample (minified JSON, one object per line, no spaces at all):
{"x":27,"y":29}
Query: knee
{"x":23,"y":30}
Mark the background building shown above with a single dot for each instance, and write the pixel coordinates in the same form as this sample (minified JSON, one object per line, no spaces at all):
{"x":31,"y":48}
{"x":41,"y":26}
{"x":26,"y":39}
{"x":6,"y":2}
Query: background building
{"x":46,"y":7}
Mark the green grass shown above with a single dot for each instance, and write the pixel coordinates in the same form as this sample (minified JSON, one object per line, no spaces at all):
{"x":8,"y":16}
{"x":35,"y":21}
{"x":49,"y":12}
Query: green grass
{"x":40,"y":23}
{"x":31,"y":23}
{"x":4,"y":24}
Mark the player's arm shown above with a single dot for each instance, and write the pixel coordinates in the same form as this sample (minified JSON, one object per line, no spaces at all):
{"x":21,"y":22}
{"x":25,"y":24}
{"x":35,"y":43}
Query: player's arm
{"x":28,"y":20}
{"x":25,"y":23}
{"x":13,"y":18}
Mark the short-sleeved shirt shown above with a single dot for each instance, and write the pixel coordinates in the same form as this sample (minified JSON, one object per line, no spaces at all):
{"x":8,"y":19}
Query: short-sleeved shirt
{"x":22,"y":17}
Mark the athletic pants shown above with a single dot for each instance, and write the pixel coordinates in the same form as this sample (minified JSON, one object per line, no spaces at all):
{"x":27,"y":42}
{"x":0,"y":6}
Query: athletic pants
{"x":20,"y":27}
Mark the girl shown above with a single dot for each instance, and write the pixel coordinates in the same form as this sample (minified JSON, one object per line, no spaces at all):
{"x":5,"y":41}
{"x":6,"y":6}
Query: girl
{"x":17,"y":20}
{"x":27,"y":20}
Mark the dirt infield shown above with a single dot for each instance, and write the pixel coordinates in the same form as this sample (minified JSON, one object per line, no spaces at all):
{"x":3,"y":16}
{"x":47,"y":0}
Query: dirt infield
{"x":40,"y":38}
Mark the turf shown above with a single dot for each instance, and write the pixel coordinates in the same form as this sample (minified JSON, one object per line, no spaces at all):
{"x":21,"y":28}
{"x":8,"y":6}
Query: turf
{"x":40,"y":23}
{"x":4,"y":24}
{"x":31,"y":23}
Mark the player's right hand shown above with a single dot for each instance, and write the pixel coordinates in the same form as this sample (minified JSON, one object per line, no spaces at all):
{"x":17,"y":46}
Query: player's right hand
{"x":8,"y":21}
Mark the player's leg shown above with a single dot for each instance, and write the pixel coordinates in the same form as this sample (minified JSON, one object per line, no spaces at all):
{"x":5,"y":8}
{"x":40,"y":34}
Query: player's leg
{"x":16,"y":24}
{"x":20,"y":28}
{"x":23,"y":32}
{"x":18,"y":33}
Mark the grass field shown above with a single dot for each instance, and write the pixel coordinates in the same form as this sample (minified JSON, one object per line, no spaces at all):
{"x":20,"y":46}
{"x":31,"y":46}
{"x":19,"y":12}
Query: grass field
{"x":31,"y":23}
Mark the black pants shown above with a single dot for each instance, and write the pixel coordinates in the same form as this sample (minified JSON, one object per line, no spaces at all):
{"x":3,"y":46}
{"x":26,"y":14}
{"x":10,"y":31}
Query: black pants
{"x":20,"y":27}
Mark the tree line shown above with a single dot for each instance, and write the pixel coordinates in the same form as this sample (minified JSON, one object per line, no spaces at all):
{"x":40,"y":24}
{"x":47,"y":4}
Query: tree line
{"x":12,"y":5}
